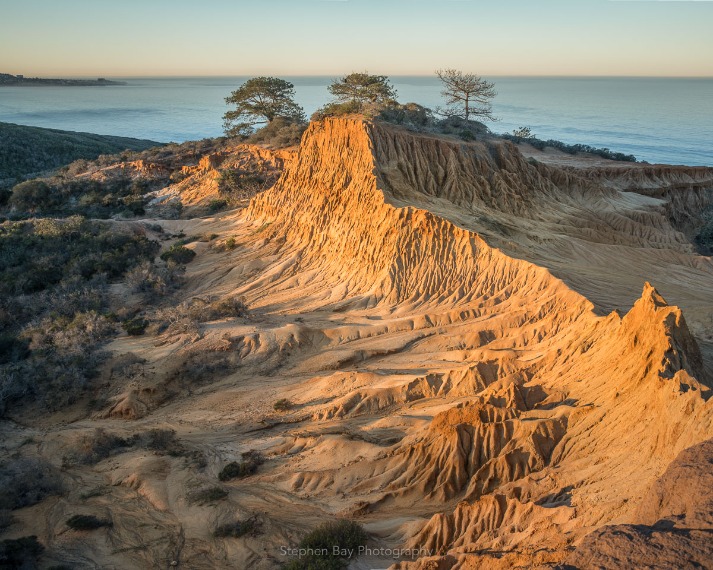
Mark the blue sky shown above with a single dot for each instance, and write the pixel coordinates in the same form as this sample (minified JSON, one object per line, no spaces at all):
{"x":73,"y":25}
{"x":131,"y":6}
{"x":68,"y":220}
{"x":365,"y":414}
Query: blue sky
{"x":326,"y":37}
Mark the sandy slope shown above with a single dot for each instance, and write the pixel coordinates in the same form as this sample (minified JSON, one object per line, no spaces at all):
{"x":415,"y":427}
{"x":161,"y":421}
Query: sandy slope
{"x":439,"y":312}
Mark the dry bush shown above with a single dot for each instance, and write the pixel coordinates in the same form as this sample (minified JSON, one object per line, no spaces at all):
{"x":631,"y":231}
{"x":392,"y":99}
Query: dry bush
{"x":205,"y":496}
{"x":99,"y":445}
{"x":27,"y":481}
{"x":174,"y":321}
{"x":283,"y":405}
{"x":186,"y":317}
{"x":251,"y":460}
{"x":149,"y":278}
{"x":95,"y":447}
{"x":238,"y":528}
{"x":87,"y":522}
{"x":128,"y":366}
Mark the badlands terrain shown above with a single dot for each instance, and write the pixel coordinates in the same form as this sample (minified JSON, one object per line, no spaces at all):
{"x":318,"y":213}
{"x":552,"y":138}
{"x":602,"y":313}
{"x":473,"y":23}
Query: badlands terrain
{"x":487,"y":355}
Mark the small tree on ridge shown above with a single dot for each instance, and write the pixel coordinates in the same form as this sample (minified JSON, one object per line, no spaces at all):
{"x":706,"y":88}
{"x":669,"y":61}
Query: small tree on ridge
{"x":363,"y":88}
{"x":467,"y":95}
{"x":260,"y":100}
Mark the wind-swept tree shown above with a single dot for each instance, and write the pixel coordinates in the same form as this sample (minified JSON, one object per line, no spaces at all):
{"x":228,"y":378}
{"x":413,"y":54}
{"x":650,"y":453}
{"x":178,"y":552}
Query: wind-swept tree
{"x":358,"y":93}
{"x":363,"y":88}
{"x":467,"y":95}
{"x":260,"y":100}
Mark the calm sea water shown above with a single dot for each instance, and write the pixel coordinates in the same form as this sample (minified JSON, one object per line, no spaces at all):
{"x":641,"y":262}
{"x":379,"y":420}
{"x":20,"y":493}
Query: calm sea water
{"x":657,"y":120}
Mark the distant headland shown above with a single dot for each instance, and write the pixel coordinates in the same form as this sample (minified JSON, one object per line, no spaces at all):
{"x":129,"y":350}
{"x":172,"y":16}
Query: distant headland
{"x":7,"y":79}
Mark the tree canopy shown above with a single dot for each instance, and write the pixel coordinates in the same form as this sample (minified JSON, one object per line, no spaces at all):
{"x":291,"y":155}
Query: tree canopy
{"x":467,"y":95}
{"x":260,"y":100}
{"x":363,"y":88}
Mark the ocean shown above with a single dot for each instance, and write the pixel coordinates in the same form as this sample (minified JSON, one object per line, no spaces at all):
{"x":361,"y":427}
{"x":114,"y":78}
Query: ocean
{"x":656,"y":120}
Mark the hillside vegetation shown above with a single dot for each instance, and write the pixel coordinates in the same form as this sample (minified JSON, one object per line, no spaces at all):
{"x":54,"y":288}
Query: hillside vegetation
{"x":25,"y":151}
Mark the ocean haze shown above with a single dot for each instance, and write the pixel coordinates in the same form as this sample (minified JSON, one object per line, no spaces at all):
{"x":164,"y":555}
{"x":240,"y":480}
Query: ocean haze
{"x":656,"y":119}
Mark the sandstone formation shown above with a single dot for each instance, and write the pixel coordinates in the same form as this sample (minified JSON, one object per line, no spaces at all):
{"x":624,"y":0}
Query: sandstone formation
{"x":504,"y":362}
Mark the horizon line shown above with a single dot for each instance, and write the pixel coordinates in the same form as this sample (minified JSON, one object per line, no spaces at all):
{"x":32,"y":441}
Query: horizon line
{"x":331,"y":75}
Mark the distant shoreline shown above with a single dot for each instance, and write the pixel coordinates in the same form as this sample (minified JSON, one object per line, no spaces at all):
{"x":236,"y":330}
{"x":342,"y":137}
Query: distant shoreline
{"x":8,"y":80}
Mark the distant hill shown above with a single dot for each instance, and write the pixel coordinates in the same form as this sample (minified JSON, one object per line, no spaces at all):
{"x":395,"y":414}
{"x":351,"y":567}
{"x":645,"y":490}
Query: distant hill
{"x":26,"y":151}
{"x":22,"y":81}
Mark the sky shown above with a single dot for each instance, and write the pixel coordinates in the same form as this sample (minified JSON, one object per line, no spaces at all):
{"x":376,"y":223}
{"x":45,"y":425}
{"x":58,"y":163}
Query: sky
{"x":130,"y":38}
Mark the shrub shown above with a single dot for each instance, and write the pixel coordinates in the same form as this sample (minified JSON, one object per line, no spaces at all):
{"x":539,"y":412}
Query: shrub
{"x":704,"y":238}
{"x":27,"y":481}
{"x":280,"y":133}
{"x":97,"y":446}
{"x":217,"y":205}
{"x":135,"y":327}
{"x":173,"y":321}
{"x":178,"y":254}
{"x":148,"y":278}
{"x":338,"y":109}
{"x":410,"y":115}
{"x":18,"y":552}
{"x":33,"y":195}
{"x":467,"y":135}
{"x":346,"y":535}
{"x":236,"y":529}
{"x":523,"y":133}
{"x":571,"y":148}
{"x":229,"y":244}
{"x":283,"y":405}
{"x":6,"y":519}
{"x":91,"y":449}
{"x":209,"y":495}
{"x":238,"y":184}
{"x":162,"y":441}
{"x":13,"y":348}
{"x":228,"y":307}
{"x":248,"y":466}
{"x":87,"y":522}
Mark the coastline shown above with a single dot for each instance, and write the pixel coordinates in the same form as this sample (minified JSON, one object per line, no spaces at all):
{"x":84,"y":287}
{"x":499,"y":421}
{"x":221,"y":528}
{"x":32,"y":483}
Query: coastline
{"x":8,"y":80}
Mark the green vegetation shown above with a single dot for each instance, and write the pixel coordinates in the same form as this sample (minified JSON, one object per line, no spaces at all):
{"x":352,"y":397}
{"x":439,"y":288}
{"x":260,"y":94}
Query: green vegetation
{"x":523,"y":133}
{"x":54,"y":277}
{"x":358,"y":93}
{"x":135,"y":327}
{"x":346,"y":535}
{"x":30,"y":150}
{"x":62,"y":196}
{"x":87,"y":522}
{"x":260,"y":100}
{"x":248,"y":466}
{"x":283,"y":405}
{"x":363,"y":88}
{"x":279,"y":133}
{"x":178,"y":254}
{"x":217,"y":205}
{"x":236,"y":529}
{"x":564,"y":147}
